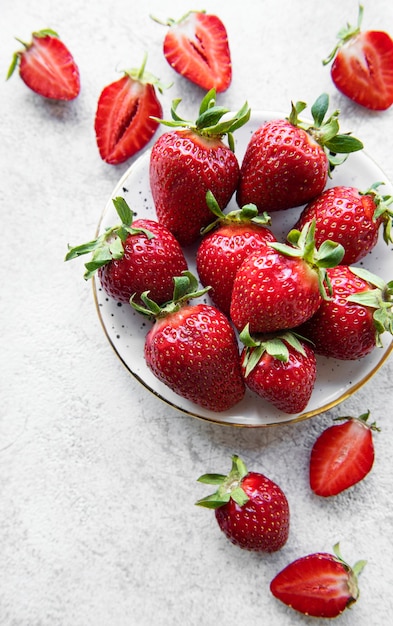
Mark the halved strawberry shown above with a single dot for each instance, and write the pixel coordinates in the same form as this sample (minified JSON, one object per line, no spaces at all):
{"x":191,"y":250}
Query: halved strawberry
{"x":196,"y":46}
{"x":47,"y":67}
{"x":363,"y":66}
{"x":126,"y":115}
{"x":342,"y":455}
{"x":320,"y":584}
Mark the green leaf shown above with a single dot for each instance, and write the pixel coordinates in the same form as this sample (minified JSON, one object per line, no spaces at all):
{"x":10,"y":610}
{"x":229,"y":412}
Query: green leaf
{"x":343,"y":144}
{"x":123,"y":210}
{"x":319,"y":109}
{"x":368,"y":276}
{"x":212,"y":479}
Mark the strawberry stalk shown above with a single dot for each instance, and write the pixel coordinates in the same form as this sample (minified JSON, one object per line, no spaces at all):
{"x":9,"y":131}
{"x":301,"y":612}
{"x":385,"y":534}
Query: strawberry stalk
{"x":108,"y":245}
{"x":354,"y":572}
{"x":344,"y":35}
{"x":228,"y":486}
{"x":362,"y":419}
{"x":15,"y":58}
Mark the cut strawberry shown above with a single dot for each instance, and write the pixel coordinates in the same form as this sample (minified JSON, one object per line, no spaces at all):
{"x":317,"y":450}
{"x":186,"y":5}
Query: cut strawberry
{"x":196,"y":46}
{"x":125,"y":118}
{"x":362,"y":68}
{"x":47,"y":67}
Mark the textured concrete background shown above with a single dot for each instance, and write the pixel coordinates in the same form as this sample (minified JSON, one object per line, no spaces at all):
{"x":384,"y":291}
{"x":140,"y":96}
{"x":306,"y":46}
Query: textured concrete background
{"x":97,"y":476}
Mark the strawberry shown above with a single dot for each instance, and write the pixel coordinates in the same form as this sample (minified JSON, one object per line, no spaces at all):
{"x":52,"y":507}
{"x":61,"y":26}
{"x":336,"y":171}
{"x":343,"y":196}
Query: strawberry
{"x":342,"y":455}
{"x":320,"y":584}
{"x":187,"y":162}
{"x":192,"y":348}
{"x":126,"y":115}
{"x":133,"y":257}
{"x":279,"y":368}
{"x":226,"y":243}
{"x":287,"y":161}
{"x":280,"y":286}
{"x":47,"y":67}
{"x":349,"y":325}
{"x":362,"y":66}
{"x":350,"y":217}
{"x":196,"y":47}
{"x":250,"y":509}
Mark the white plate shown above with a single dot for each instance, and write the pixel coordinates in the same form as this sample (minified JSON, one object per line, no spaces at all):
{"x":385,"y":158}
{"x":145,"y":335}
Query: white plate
{"x":126,"y":329}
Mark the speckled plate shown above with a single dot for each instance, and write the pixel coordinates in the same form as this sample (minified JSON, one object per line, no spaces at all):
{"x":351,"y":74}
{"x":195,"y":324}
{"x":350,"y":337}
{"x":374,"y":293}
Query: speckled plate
{"x":126,"y":329}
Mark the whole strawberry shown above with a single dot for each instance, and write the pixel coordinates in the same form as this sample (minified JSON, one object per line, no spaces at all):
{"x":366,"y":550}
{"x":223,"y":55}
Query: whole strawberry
{"x":133,"y":257}
{"x":320,"y":584}
{"x":226,"y":243}
{"x":280,"y":286}
{"x":126,"y":115}
{"x":287,"y":161}
{"x":250,"y":509}
{"x":280,"y":368}
{"x":349,"y":325}
{"x":192,"y":348}
{"x":342,"y":455}
{"x":350,"y":217}
{"x":47,"y":66}
{"x":362,"y":66}
{"x":187,"y":162}
{"x":196,"y":47}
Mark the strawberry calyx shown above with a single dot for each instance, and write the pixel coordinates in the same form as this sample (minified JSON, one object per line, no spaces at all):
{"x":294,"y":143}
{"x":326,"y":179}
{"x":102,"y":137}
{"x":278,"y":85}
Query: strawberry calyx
{"x":228,"y":486}
{"x":353,"y":573}
{"x":172,"y":22}
{"x":247,"y":214}
{"x":382,"y":209}
{"x":185,"y":289}
{"x":302,"y":246}
{"x":380,"y":299}
{"x":344,"y":35}
{"x":45,"y":32}
{"x":146,"y":78}
{"x":275,"y":345}
{"x":325,"y":131}
{"x":362,"y":419}
{"x":109,"y":245}
{"x":210,"y":122}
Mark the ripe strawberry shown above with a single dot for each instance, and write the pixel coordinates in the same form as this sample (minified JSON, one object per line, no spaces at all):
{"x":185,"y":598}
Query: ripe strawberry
{"x":362,"y":68}
{"x":133,"y":257}
{"x":342,"y":455}
{"x":192,"y":348}
{"x":281,"y":286}
{"x":287,"y":161}
{"x":320,"y":584}
{"x":234,"y":236}
{"x":187,"y":162}
{"x":349,"y":325}
{"x":250,"y":509}
{"x":47,"y":67}
{"x":350,"y":217}
{"x":280,"y":368}
{"x":196,"y":46}
{"x":126,"y":115}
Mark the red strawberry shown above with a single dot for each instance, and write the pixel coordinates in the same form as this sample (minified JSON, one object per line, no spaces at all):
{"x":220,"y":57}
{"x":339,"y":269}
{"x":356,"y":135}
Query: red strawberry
{"x":196,"y":46}
{"x":188,"y":162}
{"x":221,"y":252}
{"x":250,"y":509}
{"x":287,"y":161}
{"x":320,"y":584}
{"x":126,"y":115}
{"x":342,"y":455}
{"x":281,"y":369}
{"x":47,"y":67}
{"x":280,"y":286}
{"x":350,"y":217}
{"x":349,"y":325}
{"x":192,"y":348}
{"x":133,"y":257}
{"x":363,"y":66}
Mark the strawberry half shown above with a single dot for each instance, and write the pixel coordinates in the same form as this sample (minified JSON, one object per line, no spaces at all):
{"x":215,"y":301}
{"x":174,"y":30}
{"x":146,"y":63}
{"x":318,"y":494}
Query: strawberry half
{"x":47,"y":66}
{"x":196,"y":46}
{"x":133,"y":257}
{"x":126,"y":115}
{"x":188,"y":162}
{"x":287,"y":161}
{"x":192,"y":348}
{"x":362,"y":68}
{"x":320,"y":584}
{"x":250,"y":509}
{"x":342,"y":455}
{"x":281,"y":369}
